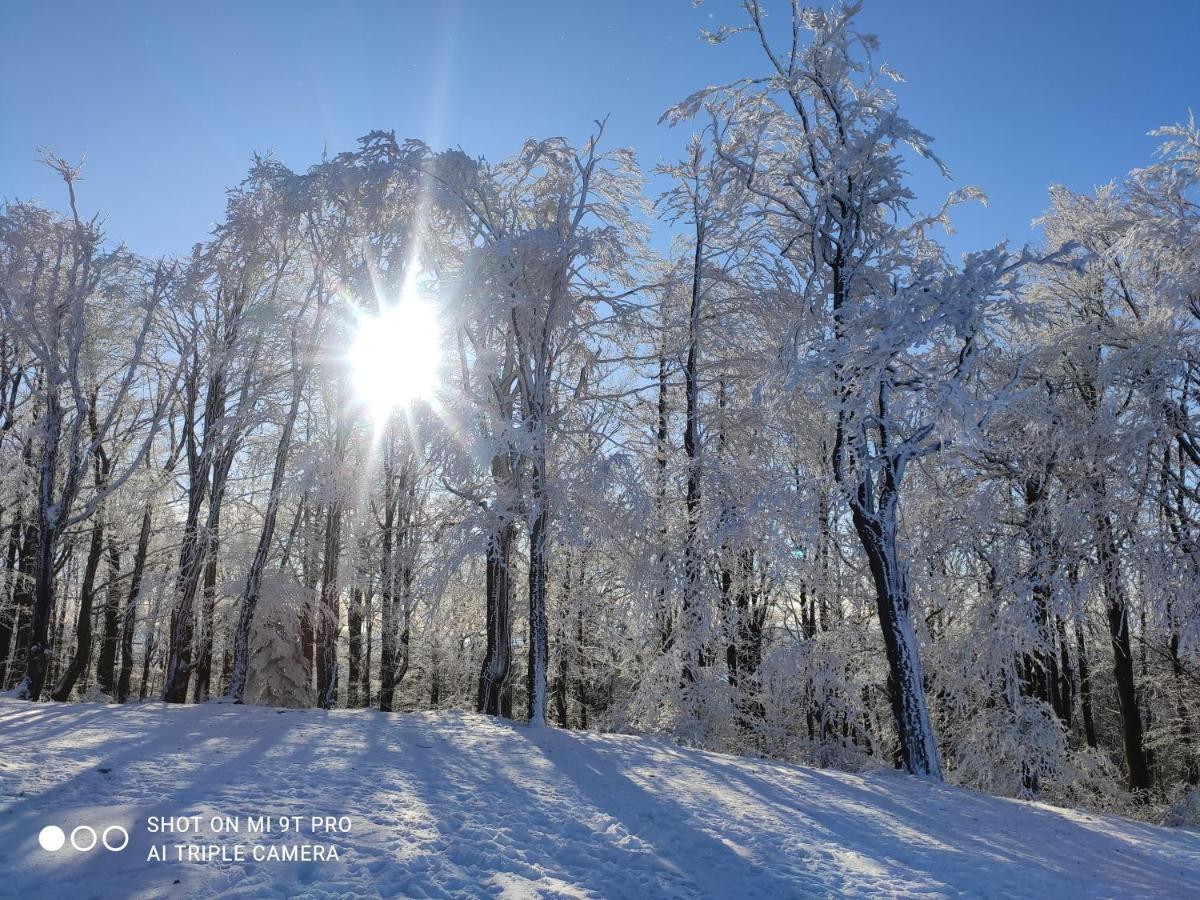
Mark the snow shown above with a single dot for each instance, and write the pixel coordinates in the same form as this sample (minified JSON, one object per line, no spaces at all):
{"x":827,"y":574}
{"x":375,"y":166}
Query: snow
{"x":458,"y":804}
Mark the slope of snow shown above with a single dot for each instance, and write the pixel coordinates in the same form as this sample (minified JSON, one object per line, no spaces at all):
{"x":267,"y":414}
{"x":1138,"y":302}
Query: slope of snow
{"x":457,"y":804}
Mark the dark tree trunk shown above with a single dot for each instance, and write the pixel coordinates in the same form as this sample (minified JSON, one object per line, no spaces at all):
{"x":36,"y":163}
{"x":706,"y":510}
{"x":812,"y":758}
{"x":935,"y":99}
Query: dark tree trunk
{"x":194,"y":546}
{"x":581,"y":694}
{"x":1137,"y":766}
{"x":663,"y":614}
{"x":49,"y":526}
{"x":329,"y":619}
{"x":1085,"y":687}
{"x":1174,"y":502}
{"x":226,"y":667}
{"x":129,"y":619}
{"x":387,"y":601}
{"x":906,"y":680}
{"x":83,"y":638}
{"x":203,"y":683}
{"x":311,"y":561}
{"x":397,"y":577}
{"x":10,"y":614}
{"x":354,"y":657}
{"x":560,"y":684}
{"x":692,"y":449}
{"x":182,"y":625}
{"x":61,"y":608}
{"x":561,"y":677}
{"x":23,"y":602}
{"x":498,"y":653}
{"x":404,"y":651}
{"x":751,"y":621}
{"x":106,"y":660}
{"x":1043,"y":677}
{"x":435,"y":680}
{"x":147,"y":655}
{"x":1191,"y":764}
{"x":539,"y":649}
{"x":1066,"y":681}
{"x":506,"y":698}
{"x":364,"y":688}
{"x":874,"y":510}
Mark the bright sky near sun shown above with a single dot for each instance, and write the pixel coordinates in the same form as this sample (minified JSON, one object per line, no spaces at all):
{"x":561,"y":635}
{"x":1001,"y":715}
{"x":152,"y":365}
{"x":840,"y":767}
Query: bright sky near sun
{"x":169,"y":100}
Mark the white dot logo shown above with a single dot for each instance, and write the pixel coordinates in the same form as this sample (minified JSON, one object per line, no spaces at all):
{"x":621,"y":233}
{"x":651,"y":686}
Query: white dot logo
{"x":75,"y":840}
{"x":84,"y":838}
{"x":51,"y":838}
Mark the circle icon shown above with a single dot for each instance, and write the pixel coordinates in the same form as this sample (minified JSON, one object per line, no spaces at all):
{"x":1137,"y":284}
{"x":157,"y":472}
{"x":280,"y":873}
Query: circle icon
{"x":124,"y":838}
{"x":51,"y":838}
{"x":75,"y":843}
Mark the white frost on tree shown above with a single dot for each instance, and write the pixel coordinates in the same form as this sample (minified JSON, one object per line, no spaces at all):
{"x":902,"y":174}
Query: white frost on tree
{"x":278,"y":674}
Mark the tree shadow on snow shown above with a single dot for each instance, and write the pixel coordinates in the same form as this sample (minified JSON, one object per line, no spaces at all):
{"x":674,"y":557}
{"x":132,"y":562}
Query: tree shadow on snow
{"x":902,"y":822}
{"x":686,"y":859}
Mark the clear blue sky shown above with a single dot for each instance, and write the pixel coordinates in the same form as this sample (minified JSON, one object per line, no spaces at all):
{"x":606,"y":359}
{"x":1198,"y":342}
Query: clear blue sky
{"x":169,"y":99}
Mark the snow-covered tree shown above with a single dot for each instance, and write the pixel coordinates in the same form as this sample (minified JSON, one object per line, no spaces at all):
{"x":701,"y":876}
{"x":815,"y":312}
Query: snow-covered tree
{"x":278,"y":674}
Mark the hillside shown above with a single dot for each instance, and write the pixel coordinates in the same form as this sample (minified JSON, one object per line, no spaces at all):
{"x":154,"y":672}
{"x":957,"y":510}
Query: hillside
{"x":455,"y":804}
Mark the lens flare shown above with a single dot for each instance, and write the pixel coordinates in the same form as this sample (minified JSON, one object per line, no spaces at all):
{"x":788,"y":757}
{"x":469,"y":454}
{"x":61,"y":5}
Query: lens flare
{"x":394,"y":356}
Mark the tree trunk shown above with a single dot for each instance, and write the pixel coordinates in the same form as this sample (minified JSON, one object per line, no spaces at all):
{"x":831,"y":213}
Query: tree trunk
{"x":49,"y":526}
{"x":581,"y":694}
{"x":747,"y":657}
{"x":182,"y":624}
{"x":404,"y":651}
{"x":106,"y":661}
{"x":200,"y":690}
{"x":1066,"y":685}
{"x":330,"y":614}
{"x":692,"y":449}
{"x":1137,"y":766}
{"x":311,"y":561}
{"x":23,"y":602}
{"x":354,"y":656}
{"x":364,"y":689}
{"x":663,"y":613}
{"x":435,"y":680}
{"x":248,"y":602}
{"x":147,"y":654}
{"x":1191,"y":764}
{"x":10,"y":614}
{"x":499,"y":618}
{"x":387,"y":601}
{"x":129,"y":619}
{"x":561,"y":678}
{"x":918,"y":747}
{"x":61,"y":607}
{"x":539,"y":650}
{"x":83,"y":628}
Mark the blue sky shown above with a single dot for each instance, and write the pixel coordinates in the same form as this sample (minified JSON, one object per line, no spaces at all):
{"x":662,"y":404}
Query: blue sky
{"x":168,"y":100}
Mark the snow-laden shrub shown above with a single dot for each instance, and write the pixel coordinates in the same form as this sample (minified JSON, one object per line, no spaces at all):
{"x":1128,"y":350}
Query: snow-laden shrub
{"x":1184,"y":812}
{"x":701,"y":713}
{"x":1016,"y":751}
{"x":278,"y":673}
{"x":811,"y":706}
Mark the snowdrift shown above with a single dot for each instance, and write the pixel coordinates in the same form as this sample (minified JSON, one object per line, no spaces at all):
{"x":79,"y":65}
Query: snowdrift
{"x":457,"y":804}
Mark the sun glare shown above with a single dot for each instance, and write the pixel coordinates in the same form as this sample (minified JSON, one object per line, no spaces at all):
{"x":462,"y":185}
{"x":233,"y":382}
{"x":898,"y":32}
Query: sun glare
{"x":394,"y":356}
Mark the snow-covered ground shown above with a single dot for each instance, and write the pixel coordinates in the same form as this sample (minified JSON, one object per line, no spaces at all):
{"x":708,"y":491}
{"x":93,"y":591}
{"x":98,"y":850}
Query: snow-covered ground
{"x":457,"y":804}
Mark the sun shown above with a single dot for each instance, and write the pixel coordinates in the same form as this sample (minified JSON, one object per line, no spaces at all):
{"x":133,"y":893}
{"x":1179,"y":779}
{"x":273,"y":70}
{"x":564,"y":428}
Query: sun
{"x":394,"y":355}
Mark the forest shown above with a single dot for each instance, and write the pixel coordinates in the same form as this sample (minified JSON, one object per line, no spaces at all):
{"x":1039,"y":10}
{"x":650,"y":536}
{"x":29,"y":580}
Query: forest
{"x":414,"y":429}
